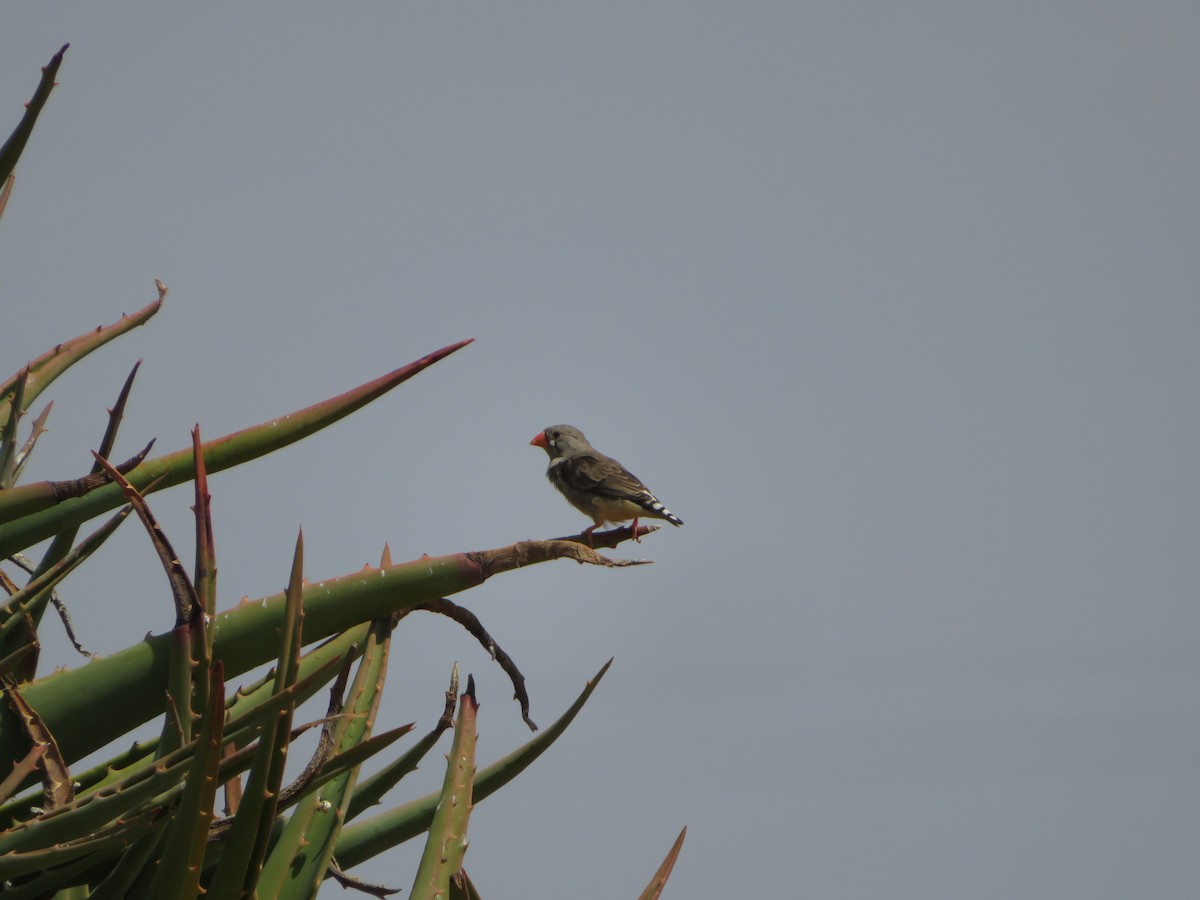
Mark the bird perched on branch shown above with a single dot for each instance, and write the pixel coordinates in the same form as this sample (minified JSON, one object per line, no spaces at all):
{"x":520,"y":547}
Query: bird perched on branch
{"x":597,"y":485}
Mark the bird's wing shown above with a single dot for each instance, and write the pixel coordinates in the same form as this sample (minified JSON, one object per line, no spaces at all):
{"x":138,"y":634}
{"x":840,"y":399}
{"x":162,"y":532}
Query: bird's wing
{"x":605,"y":477}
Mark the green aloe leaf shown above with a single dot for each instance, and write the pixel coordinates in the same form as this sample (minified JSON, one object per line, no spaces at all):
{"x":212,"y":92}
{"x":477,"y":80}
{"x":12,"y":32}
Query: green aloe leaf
{"x":102,"y":842}
{"x":116,"y":880}
{"x":88,"y":816}
{"x":371,"y":790}
{"x":17,"y":404}
{"x":246,"y":846}
{"x":52,"y":363}
{"x":222,"y":841}
{"x":35,"y":431}
{"x":298,"y":861}
{"x":19,"y":532}
{"x":179,"y":867}
{"x":185,"y":669}
{"x":446,"y":844}
{"x":73,"y":703}
{"x":62,"y":542}
{"x":354,"y":756}
{"x":316,"y":668}
{"x":57,"y":882}
{"x":205,"y":578}
{"x":157,"y":784}
{"x":370,"y":837}
{"x":11,"y":151}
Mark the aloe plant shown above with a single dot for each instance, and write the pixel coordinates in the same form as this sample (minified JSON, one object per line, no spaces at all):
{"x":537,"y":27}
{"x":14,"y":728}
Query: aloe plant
{"x":144,"y":822}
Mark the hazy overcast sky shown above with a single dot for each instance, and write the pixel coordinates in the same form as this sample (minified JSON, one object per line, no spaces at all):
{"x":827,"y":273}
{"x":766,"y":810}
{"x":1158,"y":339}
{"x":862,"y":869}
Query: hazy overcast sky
{"x":894,"y":303}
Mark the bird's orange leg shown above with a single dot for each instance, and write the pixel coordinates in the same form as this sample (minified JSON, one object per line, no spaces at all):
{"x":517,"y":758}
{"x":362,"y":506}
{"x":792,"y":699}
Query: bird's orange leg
{"x":636,"y":539}
{"x":587,"y":532}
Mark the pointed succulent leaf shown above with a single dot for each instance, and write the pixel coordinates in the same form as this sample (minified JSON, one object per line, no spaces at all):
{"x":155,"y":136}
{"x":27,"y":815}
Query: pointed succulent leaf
{"x":62,"y":542}
{"x":370,"y":837}
{"x":36,"y":431}
{"x":205,"y":577}
{"x":17,"y":405}
{"x":10,"y":152}
{"x":655,"y":888}
{"x":73,"y":702}
{"x":104,"y":841}
{"x":157,"y":783}
{"x":316,"y":668}
{"x":178,"y":871}
{"x":117,"y":879}
{"x":182,"y":590}
{"x":245,"y":848}
{"x":370,"y":790}
{"x":52,"y":363}
{"x":446,"y":843}
{"x":221,"y":453}
{"x":6,"y":191}
{"x":57,"y":882}
{"x":91,"y":814}
{"x":298,"y":861}
{"x":341,"y":762}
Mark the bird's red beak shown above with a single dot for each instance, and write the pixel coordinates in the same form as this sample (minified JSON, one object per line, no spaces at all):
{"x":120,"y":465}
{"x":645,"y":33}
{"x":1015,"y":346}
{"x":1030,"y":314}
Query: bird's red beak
{"x":539,"y":440}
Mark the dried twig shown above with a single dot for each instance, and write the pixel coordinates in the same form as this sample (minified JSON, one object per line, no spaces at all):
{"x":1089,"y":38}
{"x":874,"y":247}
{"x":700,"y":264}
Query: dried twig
{"x":28,"y":567}
{"x":357,"y":884}
{"x":471,"y":623}
{"x":77,"y":487}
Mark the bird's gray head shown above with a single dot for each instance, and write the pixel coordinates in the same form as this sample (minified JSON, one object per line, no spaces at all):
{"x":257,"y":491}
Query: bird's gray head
{"x":561,"y":440}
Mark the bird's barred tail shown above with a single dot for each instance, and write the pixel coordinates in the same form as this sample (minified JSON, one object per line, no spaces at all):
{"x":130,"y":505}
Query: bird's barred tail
{"x":652,"y":506}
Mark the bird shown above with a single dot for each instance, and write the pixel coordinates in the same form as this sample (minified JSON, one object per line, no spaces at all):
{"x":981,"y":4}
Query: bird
{"x":597,"y":485}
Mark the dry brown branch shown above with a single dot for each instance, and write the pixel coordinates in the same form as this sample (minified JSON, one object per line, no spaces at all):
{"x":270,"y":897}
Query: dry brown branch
{"x":528,"y":553}
{"x":474,"y":627}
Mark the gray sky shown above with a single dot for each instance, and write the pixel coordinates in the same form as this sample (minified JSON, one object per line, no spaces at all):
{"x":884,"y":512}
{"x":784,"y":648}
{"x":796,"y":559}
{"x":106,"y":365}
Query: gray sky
{"x":894,"y":304}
